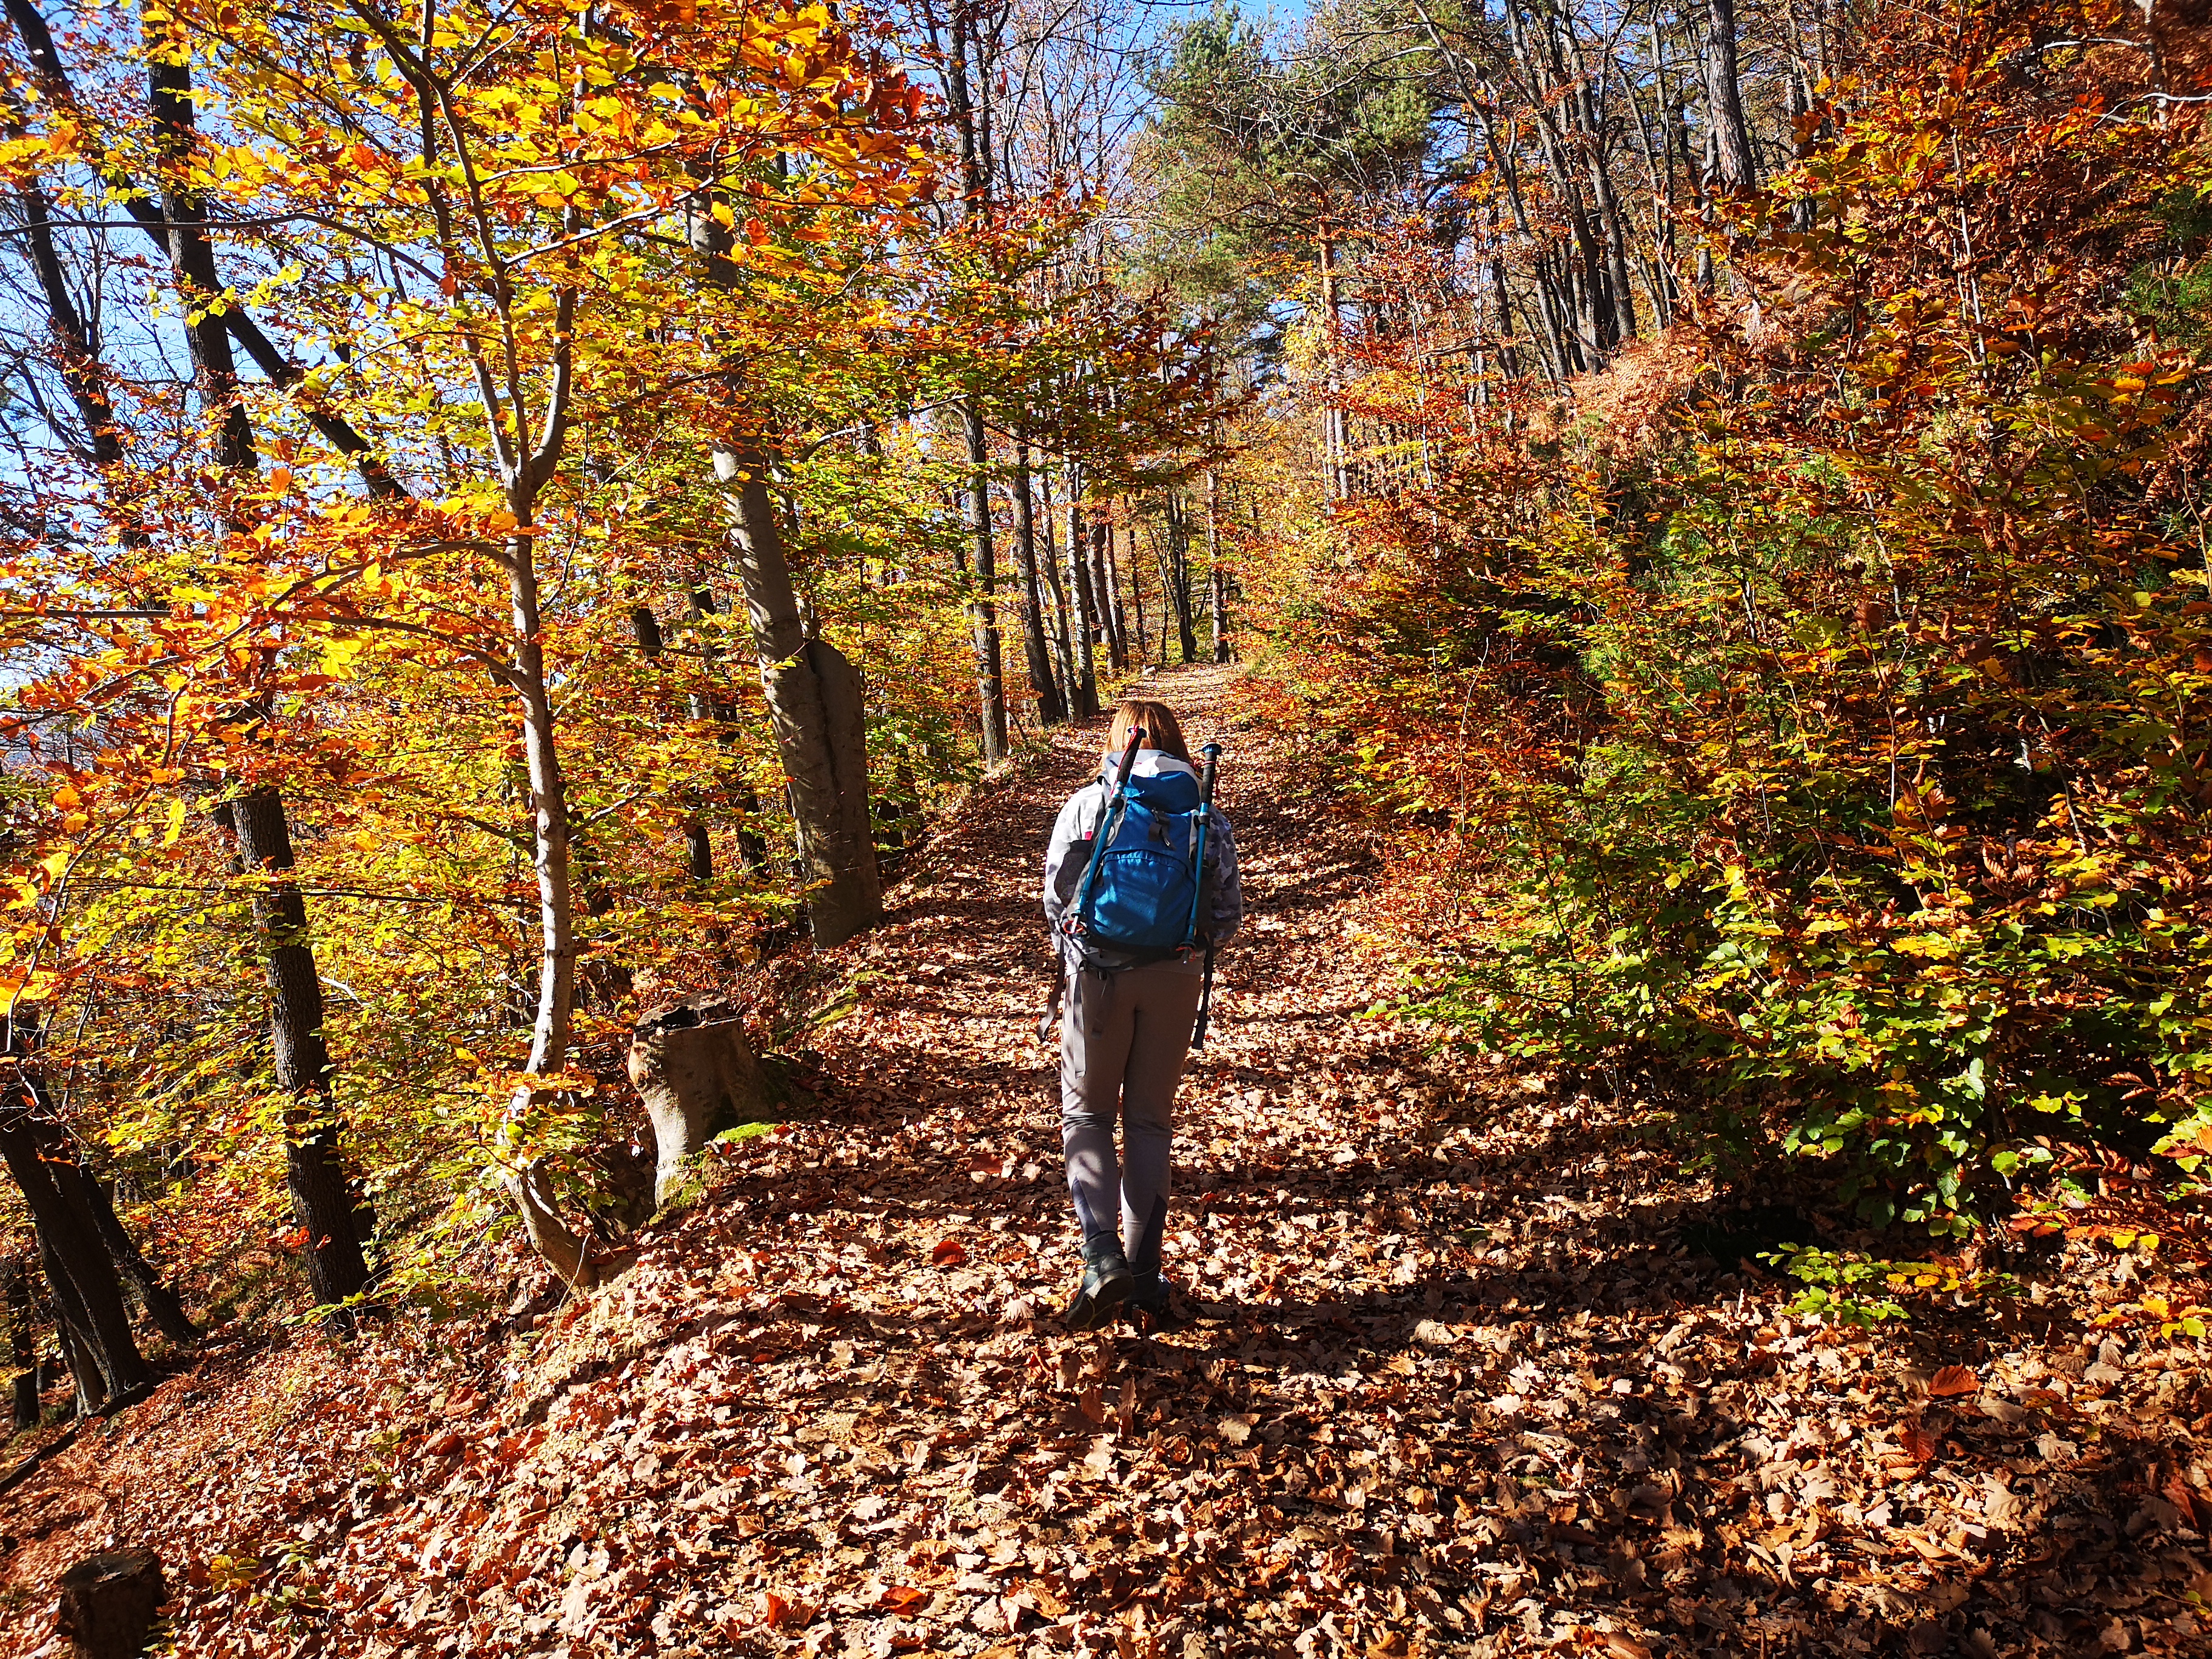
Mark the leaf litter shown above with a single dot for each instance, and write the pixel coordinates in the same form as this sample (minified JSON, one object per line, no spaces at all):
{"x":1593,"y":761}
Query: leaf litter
{"x":1455,"y":1384}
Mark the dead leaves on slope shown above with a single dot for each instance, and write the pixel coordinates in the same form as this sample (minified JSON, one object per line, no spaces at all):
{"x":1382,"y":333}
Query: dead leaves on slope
{"x":1456,"y":1389}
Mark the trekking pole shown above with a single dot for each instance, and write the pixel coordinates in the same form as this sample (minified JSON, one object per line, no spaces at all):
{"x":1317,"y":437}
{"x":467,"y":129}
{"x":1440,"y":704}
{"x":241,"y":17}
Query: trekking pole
{"x":1073,"y":919}
{"x":1053,"y":997}
{"x":1213,"y":753}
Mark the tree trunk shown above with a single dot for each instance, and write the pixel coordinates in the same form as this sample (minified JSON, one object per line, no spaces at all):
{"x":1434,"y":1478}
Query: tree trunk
{"x":108,"y":1603}
{"x":72,"y":1327}
{"x":983,"y":604}
{"x":38,"y":43}
{"x":1063,"y":633}
{"x":1144,"y":655}
{"x":815,"y":708}
{"x":1178,"y":580}
{"x":527,"y":1176}
{"x":1105,"y":592}
{"x":699,"y":857}
{"x":1598,"y":165}
{"x":697,"y":1075}
{"x":1738,"y":171}
{"x":169,"y":89}
{"x":1051,"y":710}
{"x":975,"y":173}
{"x":23,"y":1338}
{"x":706,"y":709}
{"x":162,"y":1304}
{"x":814,"y":698}
{"x":1217,"y":583}
{"x":324,"y":1200}
{"x":1335,"y":435}
{"x":87,"y":1295}
{"x":1084,"y":623}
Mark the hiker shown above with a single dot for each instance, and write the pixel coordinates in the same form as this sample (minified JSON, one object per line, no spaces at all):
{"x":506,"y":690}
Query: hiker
{"x":1136,"y":927}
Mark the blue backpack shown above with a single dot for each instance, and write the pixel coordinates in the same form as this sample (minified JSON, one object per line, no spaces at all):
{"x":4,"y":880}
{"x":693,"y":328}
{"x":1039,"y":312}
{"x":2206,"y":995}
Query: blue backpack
{"x":1139,"y":900}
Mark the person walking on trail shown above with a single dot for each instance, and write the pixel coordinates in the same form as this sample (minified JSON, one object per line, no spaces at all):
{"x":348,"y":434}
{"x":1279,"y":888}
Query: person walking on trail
{"x":1140,"y":890}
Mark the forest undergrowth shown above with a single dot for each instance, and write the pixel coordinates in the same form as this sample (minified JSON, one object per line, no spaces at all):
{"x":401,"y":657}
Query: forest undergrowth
{"x":1466,"y":1375}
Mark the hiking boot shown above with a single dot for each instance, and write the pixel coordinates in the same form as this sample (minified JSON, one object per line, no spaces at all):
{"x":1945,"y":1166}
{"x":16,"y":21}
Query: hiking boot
{"x":1149,"y":1304}
{"x":1106,"y":1281}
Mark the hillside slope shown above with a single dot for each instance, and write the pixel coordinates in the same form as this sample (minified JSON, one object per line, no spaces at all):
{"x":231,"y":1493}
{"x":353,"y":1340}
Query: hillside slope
{"x":1458,"y":1386}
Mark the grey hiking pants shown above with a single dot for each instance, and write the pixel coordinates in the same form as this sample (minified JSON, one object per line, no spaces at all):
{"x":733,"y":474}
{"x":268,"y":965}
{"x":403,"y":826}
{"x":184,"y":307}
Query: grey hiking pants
{"x":1123,"y":1039}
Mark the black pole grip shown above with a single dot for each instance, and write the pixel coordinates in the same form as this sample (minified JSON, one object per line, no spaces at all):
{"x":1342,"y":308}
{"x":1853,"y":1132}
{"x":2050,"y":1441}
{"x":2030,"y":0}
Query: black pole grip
{"x":1129,"y":757}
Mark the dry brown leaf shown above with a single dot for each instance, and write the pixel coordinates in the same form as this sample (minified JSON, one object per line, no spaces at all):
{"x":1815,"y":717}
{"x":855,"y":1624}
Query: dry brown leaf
{"x":1953,"y":1380}
{"x":2175,"y":1492}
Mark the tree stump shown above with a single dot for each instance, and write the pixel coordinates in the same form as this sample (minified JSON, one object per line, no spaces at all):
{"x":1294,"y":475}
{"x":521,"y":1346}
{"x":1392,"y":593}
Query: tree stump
{"x":108,"y":1603}
{"x":698,"y":1076}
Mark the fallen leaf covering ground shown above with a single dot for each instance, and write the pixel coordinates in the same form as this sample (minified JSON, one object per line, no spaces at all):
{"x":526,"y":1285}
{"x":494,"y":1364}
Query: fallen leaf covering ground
{"x":1457,"y":1385}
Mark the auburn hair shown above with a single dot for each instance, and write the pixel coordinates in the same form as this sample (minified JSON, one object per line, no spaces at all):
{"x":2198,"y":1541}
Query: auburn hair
{"x":1162,"y":731}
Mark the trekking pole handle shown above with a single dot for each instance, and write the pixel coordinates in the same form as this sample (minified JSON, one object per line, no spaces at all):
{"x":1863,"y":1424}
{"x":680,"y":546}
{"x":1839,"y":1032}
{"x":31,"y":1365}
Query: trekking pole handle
{"x":1128,"y":762}
{"x":1211,"y":752}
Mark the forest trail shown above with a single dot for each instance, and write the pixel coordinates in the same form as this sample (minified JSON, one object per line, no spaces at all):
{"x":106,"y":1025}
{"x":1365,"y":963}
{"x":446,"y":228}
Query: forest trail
{"x":1457,"y":1386}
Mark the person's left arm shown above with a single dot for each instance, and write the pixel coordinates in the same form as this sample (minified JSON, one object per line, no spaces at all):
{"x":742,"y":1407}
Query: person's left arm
{"x":1228,"y":910}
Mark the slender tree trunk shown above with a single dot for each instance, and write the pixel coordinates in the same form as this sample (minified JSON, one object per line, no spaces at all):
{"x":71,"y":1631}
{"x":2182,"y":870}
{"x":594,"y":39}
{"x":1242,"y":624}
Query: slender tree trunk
{"x":1063,"y":628}
{"x":169,"y":86}
{"x":1085,"y":623}
{"x":1706,"y":177}
{"x":1658,"y":268}
{"x":1612,"y":223}
{"x":975,"y":165}
{"x":23,"y":1338}
{"x":706,"y":709}
{"x":753,"y":851}
{"x":1107,"y":592}
{"x":1051,"y":710}
{"x":528,"y":1174}
{"x":80,"y":368}
{"x":983,"y":605}
{"x":1335,"y":434}
{"x":159,"y":1302}
{"x":37,"y":44}
{"x":324,"y":1200}
{"x":1176,"y":577}
{"x":1216,"y":579}
{"x":1598,"y":165}
{"x":1144,"y":656}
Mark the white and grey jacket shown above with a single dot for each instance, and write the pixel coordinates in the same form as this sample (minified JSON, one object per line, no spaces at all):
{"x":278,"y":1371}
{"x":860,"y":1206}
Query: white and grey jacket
{"x":1068,"y":855}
